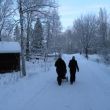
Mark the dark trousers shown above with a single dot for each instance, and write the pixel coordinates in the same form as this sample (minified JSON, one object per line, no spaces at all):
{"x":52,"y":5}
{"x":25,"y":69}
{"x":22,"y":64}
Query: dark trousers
{"x":72,"y":77}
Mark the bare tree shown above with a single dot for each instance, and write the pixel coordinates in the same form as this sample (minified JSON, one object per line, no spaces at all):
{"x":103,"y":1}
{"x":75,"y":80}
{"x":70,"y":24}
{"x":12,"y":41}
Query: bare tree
{"x":69,"y":40}
{"x":52,"y":31}
{"x":5,"y":12}
{"x":34,"y":9}
{"x":29,"y":18}
{"x":102,"y":22}
{"x":55,"y":30}
{"x":38,"y":6}
{"x":17,"y":33}
{"x":103,"y":32}
{"x":85,"y":30}
{"x":22,"y":47}
{"x":103,"y":25}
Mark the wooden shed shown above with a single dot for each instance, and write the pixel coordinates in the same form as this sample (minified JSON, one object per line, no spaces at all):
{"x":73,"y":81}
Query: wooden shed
{"x":9,"y":57}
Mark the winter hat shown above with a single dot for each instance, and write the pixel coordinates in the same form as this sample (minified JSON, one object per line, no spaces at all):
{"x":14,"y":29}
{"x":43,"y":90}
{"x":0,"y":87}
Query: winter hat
{"x":73,"y":57}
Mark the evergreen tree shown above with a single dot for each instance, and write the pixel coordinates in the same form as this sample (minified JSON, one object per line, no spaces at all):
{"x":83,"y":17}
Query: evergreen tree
{"x":37,"y":42}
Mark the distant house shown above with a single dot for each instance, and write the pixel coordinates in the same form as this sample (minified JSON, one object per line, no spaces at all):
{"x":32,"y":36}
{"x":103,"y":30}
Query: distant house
{"x":9,"y":57}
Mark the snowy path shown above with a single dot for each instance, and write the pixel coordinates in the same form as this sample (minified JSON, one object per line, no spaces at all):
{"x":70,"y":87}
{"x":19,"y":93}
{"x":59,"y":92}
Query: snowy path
{"x":91,"y":90}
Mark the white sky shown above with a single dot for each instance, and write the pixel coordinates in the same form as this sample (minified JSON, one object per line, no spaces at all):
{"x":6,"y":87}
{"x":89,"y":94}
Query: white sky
{"x":69,"y":10}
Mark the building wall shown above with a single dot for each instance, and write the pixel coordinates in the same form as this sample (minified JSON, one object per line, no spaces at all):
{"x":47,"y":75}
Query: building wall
{"x":9,"y":62}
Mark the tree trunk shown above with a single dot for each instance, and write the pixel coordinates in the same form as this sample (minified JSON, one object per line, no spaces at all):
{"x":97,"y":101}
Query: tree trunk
{"x":86,"y":52}
{"x":0,"y":36}
{"x":27,"y":43}
{"x":22,"y":46}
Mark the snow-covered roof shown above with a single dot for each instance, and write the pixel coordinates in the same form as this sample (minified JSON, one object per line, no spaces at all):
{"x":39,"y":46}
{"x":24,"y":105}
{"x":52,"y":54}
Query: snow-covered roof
{"x":10,"y":47}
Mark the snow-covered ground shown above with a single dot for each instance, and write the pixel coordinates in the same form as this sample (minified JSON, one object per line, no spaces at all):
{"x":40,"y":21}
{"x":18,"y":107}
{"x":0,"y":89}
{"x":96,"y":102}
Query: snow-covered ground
{"x":39,"y":89}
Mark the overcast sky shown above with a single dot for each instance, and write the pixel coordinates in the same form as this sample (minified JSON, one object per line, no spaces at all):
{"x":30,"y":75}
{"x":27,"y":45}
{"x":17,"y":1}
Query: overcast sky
{"x":69,"y":10}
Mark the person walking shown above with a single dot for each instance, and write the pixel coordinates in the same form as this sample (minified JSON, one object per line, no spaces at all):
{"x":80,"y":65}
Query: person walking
{"x":60,"y":69}
{"x":73,"y":67}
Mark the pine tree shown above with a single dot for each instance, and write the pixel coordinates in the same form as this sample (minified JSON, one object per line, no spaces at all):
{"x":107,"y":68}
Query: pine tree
{"x":37,"y":42}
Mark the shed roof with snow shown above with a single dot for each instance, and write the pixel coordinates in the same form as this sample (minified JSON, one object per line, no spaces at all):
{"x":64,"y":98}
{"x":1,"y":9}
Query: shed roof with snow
{"x":10,"y":47}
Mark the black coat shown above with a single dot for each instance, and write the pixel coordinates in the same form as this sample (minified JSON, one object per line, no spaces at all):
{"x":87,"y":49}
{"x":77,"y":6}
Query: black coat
{"x":73,"y":66}
{"x":60,"y":66}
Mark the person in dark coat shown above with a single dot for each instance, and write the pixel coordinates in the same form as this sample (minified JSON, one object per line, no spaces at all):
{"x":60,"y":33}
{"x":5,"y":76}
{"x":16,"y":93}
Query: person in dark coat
{"x":60,"y":69}
{"x":73,"y":67}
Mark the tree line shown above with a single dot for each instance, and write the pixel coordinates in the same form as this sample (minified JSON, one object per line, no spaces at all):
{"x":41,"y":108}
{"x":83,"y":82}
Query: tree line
{"x":36,"y":25}
{"x":90,"y":34}
{"x":32,"y":23}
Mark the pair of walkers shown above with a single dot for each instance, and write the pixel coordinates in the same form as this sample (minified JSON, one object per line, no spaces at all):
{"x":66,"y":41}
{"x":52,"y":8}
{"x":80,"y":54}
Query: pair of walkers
{"x":61,"y":69}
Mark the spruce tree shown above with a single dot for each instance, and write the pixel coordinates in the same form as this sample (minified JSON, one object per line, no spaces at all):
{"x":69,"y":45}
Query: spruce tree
{"x":37,"y":43}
